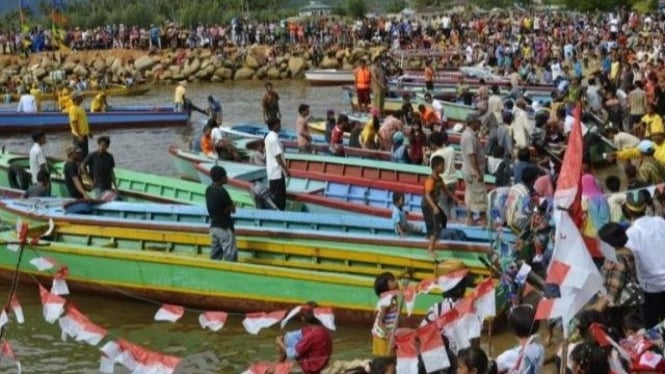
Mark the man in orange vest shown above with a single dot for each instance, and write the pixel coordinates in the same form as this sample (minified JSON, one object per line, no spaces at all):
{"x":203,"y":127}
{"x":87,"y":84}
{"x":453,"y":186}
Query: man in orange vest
{"x":363,"y":78}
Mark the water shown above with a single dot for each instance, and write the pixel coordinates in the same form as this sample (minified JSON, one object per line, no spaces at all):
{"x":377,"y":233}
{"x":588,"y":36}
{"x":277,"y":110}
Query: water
{"x":38,"y":345}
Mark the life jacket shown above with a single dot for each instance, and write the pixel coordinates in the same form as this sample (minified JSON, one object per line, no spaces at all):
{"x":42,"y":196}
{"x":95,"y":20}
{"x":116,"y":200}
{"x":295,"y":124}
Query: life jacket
{"x":363,"y":78}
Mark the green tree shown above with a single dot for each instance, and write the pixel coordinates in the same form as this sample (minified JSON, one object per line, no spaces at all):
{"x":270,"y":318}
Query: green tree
{"x":356,"y":8}
{"x":396,"y":6}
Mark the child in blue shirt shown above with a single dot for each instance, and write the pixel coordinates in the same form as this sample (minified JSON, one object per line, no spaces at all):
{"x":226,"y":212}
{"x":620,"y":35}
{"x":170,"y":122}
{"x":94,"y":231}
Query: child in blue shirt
{"x":400,"y":222}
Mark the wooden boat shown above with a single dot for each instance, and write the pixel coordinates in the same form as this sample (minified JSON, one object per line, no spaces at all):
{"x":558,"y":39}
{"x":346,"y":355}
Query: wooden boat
{"x":328,"y":77}
{"x":55,"y":121}
{"x":186,"y":277}
{"x":137,"y":90}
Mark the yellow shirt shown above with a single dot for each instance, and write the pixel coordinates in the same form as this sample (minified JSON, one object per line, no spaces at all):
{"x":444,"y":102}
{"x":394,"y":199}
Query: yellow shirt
{"x":77,"y":115}
{"x":614,"y":70}
{"x":368,"y":134}
{"x":654,"y":124}
{"x":97,"y":104}
{"x":65,"y":102}
{"x":179,"y":97}
{"x":631,"y":153}
{"x":37,"y":93}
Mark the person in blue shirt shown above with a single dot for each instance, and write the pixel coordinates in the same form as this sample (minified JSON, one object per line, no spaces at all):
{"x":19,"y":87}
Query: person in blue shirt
{"x":402,"y":226}
{"x":155,"y":40}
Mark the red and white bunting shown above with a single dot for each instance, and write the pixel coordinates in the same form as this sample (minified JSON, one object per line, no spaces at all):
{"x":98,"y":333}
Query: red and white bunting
{"x":603,"y":340}
{"x":76,"y":325}
{"x":53,"y":305}
{"x":292,"y":313}
{"x":272,"y":367}
{"x":427,"y":285}
{"x":432,"y":349}
{"x":7,"y":352}
{"x":449,"y":281}
{"x":409,"y":300}
{"x":554,"y":308}
{"x":106,"y":365}
{"x":110,"y":352}
{"x":22,"y":230}
{"x":326,"y":316}
{"x":144,"y":361}
{"x":43,"y":263}
{"x":485,"y":299}
{"x":17,"y":309}
{"x":469,"y":326}
{"x":59,"y":286}
{"x":3,"y":318}
{"x":212,"y":320}
{"x":170,"y":313}
{"x":254,"y":322}
{"x":407,"y":353}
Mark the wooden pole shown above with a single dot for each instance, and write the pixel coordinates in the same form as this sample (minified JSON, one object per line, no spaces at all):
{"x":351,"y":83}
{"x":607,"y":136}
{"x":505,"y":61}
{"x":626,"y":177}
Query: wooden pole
{"x":400,"y":304}
{"x":564,"y":356}
{"x":490,"y":323}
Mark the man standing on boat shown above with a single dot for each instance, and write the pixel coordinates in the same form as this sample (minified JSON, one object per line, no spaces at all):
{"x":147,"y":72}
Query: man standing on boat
{"x":302,"y":130}
{"x":220,"y":207}
{"x":362,"y":78}
{"x":275,"y":165}
{"x":98,"y":167}
{"x":37,"y":158}
{"x":73,"y":180}
{"x":78,"y":121}
{"x":473,"y":169}
{"x":379,"y":84}
{"x":179,"y":96}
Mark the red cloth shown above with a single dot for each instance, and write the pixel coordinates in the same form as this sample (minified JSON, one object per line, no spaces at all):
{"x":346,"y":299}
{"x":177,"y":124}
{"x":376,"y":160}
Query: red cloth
{"x":314,"y":349}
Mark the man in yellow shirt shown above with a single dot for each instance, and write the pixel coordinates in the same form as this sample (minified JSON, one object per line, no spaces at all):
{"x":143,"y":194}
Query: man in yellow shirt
{"x":78,"y":122}
{"x":179,"y":97}
{"x":99,"y":103}
{"x":64,"y":100}
{"x":652,"y":122}
{"x":37,"y":93}
{"x":658,"y":144}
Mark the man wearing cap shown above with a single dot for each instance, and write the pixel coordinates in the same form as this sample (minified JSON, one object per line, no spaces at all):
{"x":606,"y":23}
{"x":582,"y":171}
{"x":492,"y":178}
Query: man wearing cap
{"x":473,"y":169}
{"x":302,"y":130}
{"x":179,"y":96}
{"x":220,"y":207}
{"x":645,"y":237}
{"x":37,"y":158}
{"x":72,"y":174}
{"x":78,"y":122}
{"x":651,"y":171}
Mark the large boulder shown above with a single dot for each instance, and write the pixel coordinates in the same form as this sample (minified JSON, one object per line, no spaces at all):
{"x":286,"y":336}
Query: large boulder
{"x":243,"y":73}
{"x":144,"y":63}
{"x":223,"y":73}
{"x":252,"y":62}
{"x":296,"y":66}
{"x":273,"y":73}
{"x":39,"y":73}
{"x":116,"y":65}
{"x":80,"y":71}
{"x":68,"y":67}
{"x":205,"y":53}
{"x":191,"y":66}
{"x":329,"y":63}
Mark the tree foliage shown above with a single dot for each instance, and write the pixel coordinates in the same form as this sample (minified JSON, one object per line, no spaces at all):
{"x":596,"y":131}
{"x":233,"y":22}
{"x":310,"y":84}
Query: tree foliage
{"x":356,"y":8}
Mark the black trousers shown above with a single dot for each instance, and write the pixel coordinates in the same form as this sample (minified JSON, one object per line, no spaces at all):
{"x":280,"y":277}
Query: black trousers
{"x":278,"y":192}
{"x":653,"y":308}
{"x":83,"y":145}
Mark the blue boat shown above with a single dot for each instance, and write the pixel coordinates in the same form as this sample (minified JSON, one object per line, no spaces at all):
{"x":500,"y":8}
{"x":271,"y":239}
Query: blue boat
{"x":12,"y":122}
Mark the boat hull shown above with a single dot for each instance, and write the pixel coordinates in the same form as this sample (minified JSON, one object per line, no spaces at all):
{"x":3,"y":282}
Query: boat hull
{"x":329,"y":77}
{"x":52,"y":121}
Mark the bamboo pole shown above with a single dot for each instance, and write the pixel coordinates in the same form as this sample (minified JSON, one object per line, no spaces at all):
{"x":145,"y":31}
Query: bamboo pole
{"x":564,"y":356}
{"x":400,"y":304}
{"x":490,"y":323}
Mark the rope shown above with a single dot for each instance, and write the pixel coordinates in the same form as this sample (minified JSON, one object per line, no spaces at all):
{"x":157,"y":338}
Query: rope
{"x":14,"y":284}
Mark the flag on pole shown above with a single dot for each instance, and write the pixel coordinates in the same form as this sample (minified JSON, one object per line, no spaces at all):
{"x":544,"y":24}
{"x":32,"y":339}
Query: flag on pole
{"x":212,"y":320}
{"x":432,"y":349}
{"x":554,"y":308}
{"x":484,"y":297}
{"x":53,"y":305}
{"x":254,"y":322}
{"x":170,"y":313}
{"x":407,"y":353}
{"x":567,"y":194}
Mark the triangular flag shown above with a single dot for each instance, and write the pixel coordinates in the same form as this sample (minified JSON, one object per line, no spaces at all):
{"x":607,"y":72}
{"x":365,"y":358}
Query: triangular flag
{"x":407,"y":353}
{"x":409,"y":300}
{"x":53,"y":305}
{"x":554,"y":308}
{"x":78,"y":326}
{"x":17,"y":309}
{"x":59,"y":286}
{"x":3,"y":318}
{"x":432,"y":349}
{"x":448,"y":281}
{"x":254,"y":322}
{"x":43,"y":263}
{"x":170,"y":313}
{"x":326,"y":316}
{"x":485,"y":299}
{"x":106,"y":365}
{"x":292,"y":313}
{"x":212,"y":320}
{"x":7,"y":352}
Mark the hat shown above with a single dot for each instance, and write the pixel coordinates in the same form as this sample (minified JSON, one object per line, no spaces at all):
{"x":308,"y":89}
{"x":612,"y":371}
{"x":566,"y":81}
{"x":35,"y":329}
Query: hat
{"x":217,"y":173}
{"x":71,"y":150}
{"x":636,"y":202}
{"x":613,"y":234}
{"x":646,"y":147}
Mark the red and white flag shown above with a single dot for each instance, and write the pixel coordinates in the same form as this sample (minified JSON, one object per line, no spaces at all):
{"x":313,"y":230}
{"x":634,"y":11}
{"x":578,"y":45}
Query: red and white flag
{"x":254,"y":322}
{"x":7,"y":352}
{"x":565,"y":275}
{"x":17,"y":309}
{"x":485,"y":299}
{"x":292,"y":313}
{"x":59,"y":286}
{"x":651,"y":360}
{"x":43,"y":263}
{"x":554,"y":308}
{"x":469,"y":326}
{"x":78,"y":326}
{"x":326,"y":316}
{"x":169,"y":312}
{"x":409,"y":295}
{"x":110,"y":352}
{"x":144,"y":361}
{"x":3,"y":318}
{"x":53,"y":305}
{"x":212,"y":320}
{"x":603,"y":340}
{"x":407,"y":353}
{"x":450,"y":280}
{"x":567,"y":190}
{"x":432,"y":349}
{"x":273,"y":367}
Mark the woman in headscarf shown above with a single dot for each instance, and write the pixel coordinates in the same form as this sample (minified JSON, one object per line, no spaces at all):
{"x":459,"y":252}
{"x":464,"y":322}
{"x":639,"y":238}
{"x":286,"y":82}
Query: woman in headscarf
{"x":594,"y":205}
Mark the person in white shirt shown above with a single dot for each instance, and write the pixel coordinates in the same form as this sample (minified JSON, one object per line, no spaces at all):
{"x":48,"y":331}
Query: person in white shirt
{"x":27,"y":103}
{"x":37,"y":159}
{"x":646,"y":236}
{"x":522,"y":127}
{"x":529,"y":355}
{"x":276,"y":168}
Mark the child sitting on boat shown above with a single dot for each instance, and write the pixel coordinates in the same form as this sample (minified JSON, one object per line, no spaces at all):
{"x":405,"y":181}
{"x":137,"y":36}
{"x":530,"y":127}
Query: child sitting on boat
{"x":402,"y":226}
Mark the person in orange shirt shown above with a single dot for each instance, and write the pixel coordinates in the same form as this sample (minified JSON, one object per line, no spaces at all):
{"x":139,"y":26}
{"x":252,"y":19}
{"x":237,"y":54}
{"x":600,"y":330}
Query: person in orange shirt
{"x":363,"y":78}
{"x":429,"y":76}
{"x":427,"y":116}
{"x":206,"y":143}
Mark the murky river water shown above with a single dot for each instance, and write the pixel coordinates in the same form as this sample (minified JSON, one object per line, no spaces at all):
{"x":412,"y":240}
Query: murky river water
{"x":38,"y":344}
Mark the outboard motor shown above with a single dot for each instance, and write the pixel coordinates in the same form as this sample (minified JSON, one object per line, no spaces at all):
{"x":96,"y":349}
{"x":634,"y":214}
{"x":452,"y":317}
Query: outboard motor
{"x":262,"y":197}
{"x":19,"y":179}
